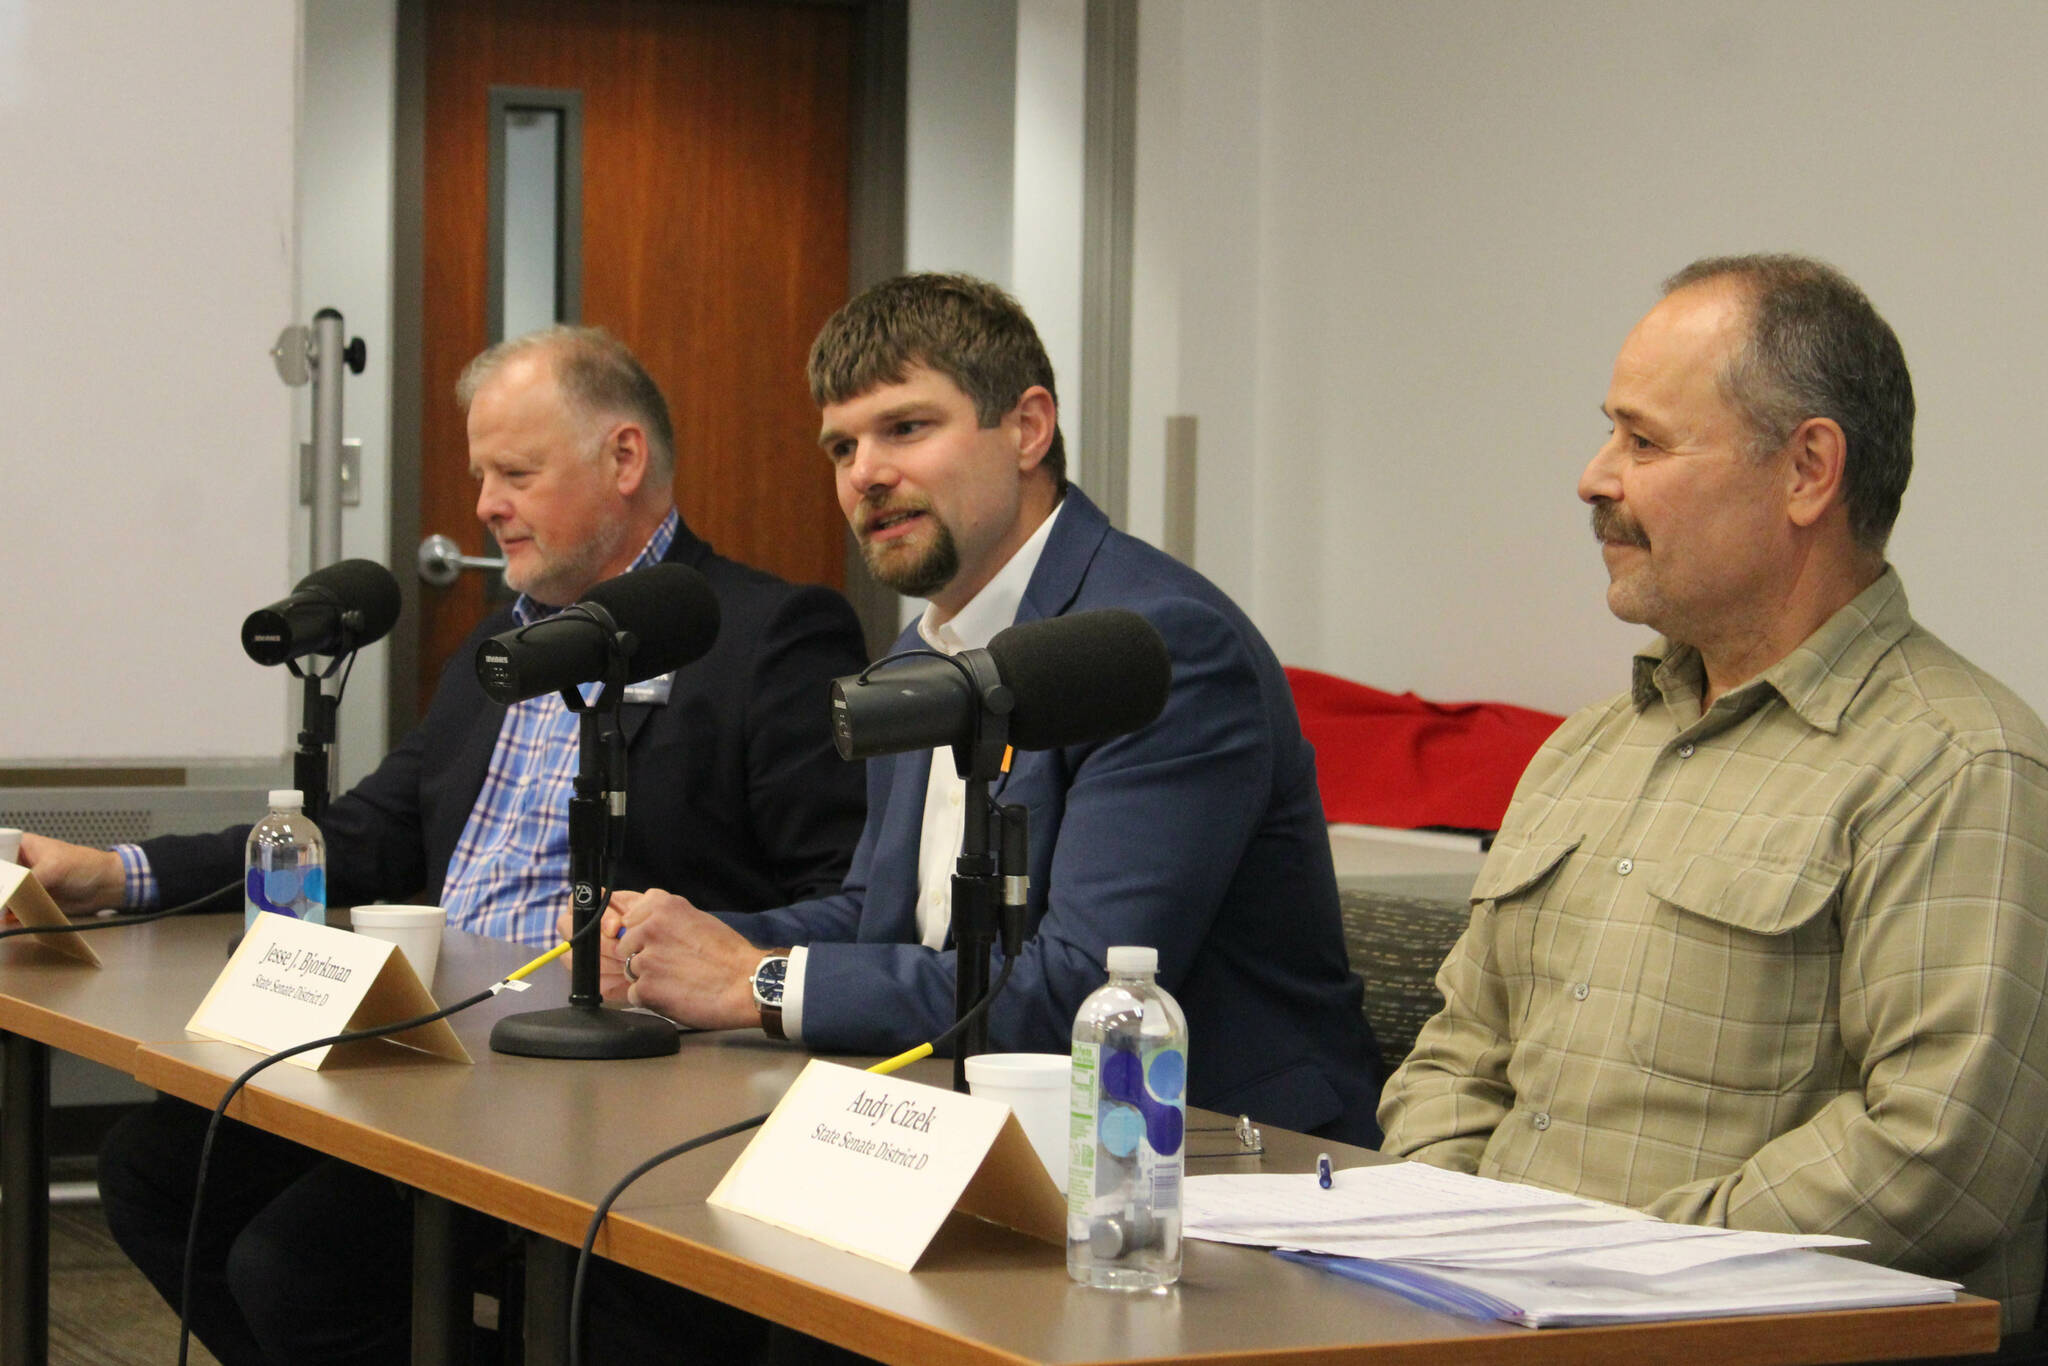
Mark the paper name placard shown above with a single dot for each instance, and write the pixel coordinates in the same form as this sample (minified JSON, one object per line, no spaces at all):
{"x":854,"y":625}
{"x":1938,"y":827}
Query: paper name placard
{"x":291,"y":981}
{"x":873,"y":1165}
{"x":23,"y":897}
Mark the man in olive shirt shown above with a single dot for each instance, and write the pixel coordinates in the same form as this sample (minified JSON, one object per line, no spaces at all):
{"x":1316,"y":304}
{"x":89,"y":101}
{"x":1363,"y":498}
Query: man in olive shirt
{"x":1761,"y":944}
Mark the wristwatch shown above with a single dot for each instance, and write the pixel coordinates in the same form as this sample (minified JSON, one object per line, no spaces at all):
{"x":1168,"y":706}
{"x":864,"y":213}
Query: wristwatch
{"x":769,"y":976}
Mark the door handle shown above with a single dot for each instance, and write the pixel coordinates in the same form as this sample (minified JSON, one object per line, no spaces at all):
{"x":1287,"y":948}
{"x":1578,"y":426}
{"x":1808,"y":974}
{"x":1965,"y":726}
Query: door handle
{"x":441,"y":561}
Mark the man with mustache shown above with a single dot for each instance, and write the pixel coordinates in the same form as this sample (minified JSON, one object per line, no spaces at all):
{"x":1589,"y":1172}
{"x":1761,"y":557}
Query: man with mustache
{"x":1760,"y":945}
{"x":1201,"y":835}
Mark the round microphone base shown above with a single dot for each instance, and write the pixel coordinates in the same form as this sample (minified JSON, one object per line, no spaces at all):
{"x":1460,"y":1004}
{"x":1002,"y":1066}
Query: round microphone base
{"x":585,"y":1032}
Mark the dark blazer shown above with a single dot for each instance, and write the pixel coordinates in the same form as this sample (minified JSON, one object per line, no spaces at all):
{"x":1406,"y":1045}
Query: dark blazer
{"x":1201,"y":835}
{"x":734,"y":796}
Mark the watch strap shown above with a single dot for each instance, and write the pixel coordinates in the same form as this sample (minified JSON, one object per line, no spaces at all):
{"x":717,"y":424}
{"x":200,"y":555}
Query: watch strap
{"x":769,"y":1003}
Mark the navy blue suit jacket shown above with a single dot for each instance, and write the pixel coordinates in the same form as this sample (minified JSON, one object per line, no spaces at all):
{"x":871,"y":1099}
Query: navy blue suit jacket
{"x":734,"y":795}
{"x":1201,"y":835}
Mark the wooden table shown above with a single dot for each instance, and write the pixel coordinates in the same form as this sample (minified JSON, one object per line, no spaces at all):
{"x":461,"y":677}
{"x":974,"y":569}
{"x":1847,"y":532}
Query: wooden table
{"x":143,"y":994}
{"x":537,"y":1142}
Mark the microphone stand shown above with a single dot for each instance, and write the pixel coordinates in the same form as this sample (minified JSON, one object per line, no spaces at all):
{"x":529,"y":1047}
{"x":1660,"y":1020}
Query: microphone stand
{"x":979,"y":874}
{"x":313,"y":761}
{"x":586,"y":1028}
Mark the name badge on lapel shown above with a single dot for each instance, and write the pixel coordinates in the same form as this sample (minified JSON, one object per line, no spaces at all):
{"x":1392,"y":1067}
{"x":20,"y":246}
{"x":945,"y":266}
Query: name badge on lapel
{"x":650,"y":692}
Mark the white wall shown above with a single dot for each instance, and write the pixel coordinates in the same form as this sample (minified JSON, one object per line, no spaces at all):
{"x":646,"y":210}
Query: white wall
{"x":146,"y":265}
{"x":993,"y":163}
{"x":1045,"y":228}
{"x":1386,"y":252}
{"x":960,"y":136}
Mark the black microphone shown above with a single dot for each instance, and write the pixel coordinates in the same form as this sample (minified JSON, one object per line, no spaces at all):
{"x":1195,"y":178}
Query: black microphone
{"x":347,"y":605}
{"x":663,"y":616}
{"x":1068,"y":680}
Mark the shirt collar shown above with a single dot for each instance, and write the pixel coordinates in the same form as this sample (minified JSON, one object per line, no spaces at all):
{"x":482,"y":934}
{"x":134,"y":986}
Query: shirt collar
{"x":1817,"y":680}
{"x":526,"y":611}
{"x":995,"y":606}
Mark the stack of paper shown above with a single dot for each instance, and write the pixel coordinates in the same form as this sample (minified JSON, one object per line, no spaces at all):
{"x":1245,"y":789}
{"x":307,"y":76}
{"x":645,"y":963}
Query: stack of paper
{"x":1490,"y":1249}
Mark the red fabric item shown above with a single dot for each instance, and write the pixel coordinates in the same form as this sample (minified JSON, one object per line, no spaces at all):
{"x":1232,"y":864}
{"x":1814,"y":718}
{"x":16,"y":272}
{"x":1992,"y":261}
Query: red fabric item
{"x":1393,"y":759}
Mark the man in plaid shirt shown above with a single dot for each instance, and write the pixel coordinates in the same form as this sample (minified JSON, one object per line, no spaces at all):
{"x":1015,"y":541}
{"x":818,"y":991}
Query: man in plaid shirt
{"x":1761,"y":944}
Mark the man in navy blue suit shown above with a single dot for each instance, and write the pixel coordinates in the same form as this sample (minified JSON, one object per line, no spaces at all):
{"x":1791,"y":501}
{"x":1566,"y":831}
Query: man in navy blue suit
{"x":1201,"y":835}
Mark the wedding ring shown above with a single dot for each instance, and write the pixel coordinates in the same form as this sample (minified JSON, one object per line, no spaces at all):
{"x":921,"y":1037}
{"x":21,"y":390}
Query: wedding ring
{"x":627,"y":966}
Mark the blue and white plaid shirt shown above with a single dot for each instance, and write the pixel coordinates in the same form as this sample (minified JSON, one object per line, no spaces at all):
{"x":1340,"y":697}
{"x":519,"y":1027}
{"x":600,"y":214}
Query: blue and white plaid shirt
{"x":509,"y":875}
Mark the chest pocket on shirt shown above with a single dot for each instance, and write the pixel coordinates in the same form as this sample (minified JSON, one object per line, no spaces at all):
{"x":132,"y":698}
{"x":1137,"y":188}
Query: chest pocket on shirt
{"x":1737,"y":974}
{"x":1510,"y":893}
{"x":1512,"y":869}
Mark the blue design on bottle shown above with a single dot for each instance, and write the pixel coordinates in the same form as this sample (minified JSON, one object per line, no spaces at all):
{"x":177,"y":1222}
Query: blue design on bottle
{"x":1123,"y":1079}
{"x":276,"y":889}
{"x":1120,"y":1129}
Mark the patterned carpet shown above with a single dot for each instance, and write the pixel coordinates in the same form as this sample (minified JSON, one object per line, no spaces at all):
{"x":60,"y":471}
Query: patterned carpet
{"x":102,"y":1312}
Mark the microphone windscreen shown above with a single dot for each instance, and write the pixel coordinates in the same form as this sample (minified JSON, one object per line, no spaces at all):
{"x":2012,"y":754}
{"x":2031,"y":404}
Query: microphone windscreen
{"x":671,"y":611}
{"x":1083,"y":677}
{"x":359,"y":586}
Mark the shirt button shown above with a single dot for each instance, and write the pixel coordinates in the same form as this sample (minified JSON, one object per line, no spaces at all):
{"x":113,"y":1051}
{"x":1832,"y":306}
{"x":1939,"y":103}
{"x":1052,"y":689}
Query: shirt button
{"x":1580,"y":991}
{"x":1540,"y":1120}
{"x":953,"y":798}
{"x":1685,"y":750}
{"x":1625,"y":867}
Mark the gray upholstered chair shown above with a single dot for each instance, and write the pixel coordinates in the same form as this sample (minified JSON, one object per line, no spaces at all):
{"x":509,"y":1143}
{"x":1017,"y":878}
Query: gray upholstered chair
{"x":1396,"y":943}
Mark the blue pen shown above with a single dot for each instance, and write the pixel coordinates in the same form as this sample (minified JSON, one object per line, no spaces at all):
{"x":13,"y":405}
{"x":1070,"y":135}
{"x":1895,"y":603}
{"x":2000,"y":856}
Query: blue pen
{"x":1323,"y":1174}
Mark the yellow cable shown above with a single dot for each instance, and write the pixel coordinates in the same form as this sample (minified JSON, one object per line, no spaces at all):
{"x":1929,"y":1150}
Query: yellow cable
{"x":550,"y":956}
{"x":901,"y":1060}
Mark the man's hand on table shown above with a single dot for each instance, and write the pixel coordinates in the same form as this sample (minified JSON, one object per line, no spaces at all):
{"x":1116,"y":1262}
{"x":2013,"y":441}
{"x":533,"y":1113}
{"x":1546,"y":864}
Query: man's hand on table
{"x":78,"y":879}
{"x":692,"y":968}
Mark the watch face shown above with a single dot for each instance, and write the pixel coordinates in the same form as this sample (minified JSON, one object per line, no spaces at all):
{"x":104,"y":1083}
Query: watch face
{"x":768,"y":979}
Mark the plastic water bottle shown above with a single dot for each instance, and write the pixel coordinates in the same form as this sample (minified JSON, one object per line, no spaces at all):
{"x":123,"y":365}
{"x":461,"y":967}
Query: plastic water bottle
{"x":1129,"y":1116}
{"x":286,"y":871}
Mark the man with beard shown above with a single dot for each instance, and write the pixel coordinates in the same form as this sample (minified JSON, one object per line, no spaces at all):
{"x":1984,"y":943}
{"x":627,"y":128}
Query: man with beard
{"x":1760,"y":945}
{"x":1201,"y":835}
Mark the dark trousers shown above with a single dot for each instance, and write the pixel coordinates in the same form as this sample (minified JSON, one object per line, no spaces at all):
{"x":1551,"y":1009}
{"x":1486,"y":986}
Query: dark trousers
{"x":303,"y":1260}
{"x":300,"y":1258}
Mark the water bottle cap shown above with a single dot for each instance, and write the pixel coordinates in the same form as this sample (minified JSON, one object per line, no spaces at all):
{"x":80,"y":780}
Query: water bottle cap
{"x":287,"y":798}
{"x":1133,"y":958}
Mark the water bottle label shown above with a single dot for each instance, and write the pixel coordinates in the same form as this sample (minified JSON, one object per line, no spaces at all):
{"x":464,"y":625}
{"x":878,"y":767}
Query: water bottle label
{"x":1149,"y":1096}
{"x":1166,"y":1075}
{"x":1081,"y":1130}
{"x":277,"y":889}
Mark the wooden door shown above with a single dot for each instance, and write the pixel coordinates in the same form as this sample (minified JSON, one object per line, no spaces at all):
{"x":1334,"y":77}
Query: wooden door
{"x":715,"y":155}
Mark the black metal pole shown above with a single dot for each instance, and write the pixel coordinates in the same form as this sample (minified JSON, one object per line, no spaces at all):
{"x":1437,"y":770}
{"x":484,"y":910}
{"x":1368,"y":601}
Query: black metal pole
{"x":24,"y":1202}
{"x":976,"y":893}
{"x":316,"y":738}
{"x":440,"y":1285}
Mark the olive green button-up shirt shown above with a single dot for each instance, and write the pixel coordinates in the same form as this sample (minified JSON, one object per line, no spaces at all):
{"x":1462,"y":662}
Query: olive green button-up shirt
{"x":1781,"y":965}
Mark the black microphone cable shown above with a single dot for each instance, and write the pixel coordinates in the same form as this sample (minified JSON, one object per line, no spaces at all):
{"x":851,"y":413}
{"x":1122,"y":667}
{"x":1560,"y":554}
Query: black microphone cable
{"x":604,"y":1206}
{"x":921,"y":652}
{"x":118,"y":922}
{"x":349,"y":1036}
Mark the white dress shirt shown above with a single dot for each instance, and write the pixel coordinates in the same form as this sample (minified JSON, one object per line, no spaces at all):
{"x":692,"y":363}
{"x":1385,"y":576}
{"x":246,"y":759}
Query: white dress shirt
{"x":971,"y":628}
